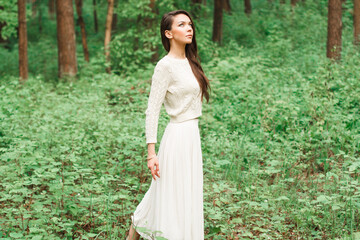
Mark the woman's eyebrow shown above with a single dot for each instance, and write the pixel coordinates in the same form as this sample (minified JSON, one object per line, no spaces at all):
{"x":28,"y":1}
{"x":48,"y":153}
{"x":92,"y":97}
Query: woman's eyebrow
{"x":184,"y":21}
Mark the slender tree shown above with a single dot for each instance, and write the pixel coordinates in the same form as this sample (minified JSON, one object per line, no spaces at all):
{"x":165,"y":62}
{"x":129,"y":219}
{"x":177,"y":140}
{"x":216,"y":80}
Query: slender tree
{"x":23,"y":58}
{"x":115,"y":16}
{"x":79,"y":4}
{"x":51,"y":9}
{"x":218,"y":19}
{"x":195,"y":7}
{"x":33,"y":8}
{"x":293,"y":2}
{"x":66,"y":38}
{"x":95,"y":16}
{"x":40,"y":19}
{"x":227,"y":6}
{"x":357,"y":22}
{"x":108,"y":31}
{"x":154,"y":49}
{"x":333,"y":46}
{"x":247,"y":5}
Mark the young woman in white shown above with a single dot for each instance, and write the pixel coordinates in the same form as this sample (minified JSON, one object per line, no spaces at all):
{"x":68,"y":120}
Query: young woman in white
{"x":173,"y":206}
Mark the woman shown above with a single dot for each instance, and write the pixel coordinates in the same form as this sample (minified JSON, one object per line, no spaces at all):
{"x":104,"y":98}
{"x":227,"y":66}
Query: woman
{"x":173,"y":205}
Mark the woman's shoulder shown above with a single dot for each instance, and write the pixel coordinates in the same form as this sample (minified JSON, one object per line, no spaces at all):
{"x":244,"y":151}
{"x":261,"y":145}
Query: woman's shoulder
{"x":163,"y":64}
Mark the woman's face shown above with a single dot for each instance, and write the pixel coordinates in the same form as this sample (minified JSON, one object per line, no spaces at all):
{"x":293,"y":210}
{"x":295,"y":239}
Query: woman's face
{"x":181,"y":30}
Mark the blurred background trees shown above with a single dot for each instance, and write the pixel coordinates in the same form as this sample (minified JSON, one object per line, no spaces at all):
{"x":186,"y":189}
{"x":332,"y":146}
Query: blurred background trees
{"x":283,"y":115}
{"x":130,"y":33}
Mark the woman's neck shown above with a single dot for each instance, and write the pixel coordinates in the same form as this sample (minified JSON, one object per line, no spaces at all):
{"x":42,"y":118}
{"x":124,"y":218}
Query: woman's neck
{"x":177,"y":51}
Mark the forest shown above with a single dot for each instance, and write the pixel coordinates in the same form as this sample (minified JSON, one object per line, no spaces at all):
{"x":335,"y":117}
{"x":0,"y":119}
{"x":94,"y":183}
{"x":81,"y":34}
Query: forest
{"x":280,"y":135}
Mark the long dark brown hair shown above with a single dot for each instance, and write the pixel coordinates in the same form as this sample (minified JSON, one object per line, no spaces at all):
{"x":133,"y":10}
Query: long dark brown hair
{"x":190,"y":50}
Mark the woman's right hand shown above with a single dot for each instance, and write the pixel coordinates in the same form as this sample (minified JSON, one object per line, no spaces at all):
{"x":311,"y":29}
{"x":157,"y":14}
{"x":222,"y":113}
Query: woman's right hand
{"x":153,"y":165}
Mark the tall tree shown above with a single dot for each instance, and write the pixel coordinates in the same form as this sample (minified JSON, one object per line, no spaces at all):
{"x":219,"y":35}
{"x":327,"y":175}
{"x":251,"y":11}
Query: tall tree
{"x":195,"y":7}
{"x":152,"y":23}
{"x":66,"y":38}
{"x":108,"y":31}
{"x":333,"y":46}
{"x":33,"y":8}
{"x":23,"y":58}
{"x":95,"y":17}
{"x":40,"y":19}
{"x":51,"y":8}
{"x":226,"y":6}
{"x":79,"y":4}
{"x":293,"y":2}
{"x":218,"y":19}
{"x":357,"y":22}
{"x":247,"y":5}
{"x":115,"y":16}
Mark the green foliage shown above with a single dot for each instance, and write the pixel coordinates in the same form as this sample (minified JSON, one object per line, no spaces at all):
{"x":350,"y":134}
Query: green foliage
{"x":139,"y":39}
{"x":9,"y":17}
{"x":280,"y":137}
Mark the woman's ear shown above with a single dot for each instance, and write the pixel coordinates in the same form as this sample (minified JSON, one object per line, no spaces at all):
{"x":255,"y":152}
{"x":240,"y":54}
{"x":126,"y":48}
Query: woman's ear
{"x":168,"y":34}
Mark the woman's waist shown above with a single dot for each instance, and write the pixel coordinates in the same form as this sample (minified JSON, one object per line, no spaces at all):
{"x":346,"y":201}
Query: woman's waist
{"x":185,"y":118}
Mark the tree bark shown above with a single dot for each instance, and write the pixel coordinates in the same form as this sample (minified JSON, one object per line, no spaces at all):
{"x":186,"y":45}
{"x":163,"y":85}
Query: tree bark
{"x":293,"y":2}
{"x":79,"y":4}
{"x":333,"y":46}
{"x":51,"y":9}
{"x":218,"y":18}
{"x":195,"y":8}
{"x":23,"y":58}
{"x":227,"y":6}
{"x":115,"y":16}
{"x":247,"y":5}
{"x":40,"y":20}
{"x":357,"y":22}
{"x":66,"y":38}
{"x":95,"y":17}
{"x":108,"y":31}
{"x":155,"y":55}
{"x":33,"y":8}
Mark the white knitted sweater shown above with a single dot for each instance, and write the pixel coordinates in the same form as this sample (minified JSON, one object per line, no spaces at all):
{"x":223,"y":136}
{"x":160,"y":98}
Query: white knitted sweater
{"x":174,"y":84}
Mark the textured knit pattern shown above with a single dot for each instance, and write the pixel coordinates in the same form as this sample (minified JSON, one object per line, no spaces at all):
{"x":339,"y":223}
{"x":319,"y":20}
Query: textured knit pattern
{"x":174,"y":85}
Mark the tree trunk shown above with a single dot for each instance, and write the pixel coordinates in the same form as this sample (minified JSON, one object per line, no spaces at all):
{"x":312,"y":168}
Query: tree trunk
{"x":218,"y":18}
{"x":155,"y":55}
{"x":334,"y":30}
{"x":205,"y":13}
{"x":247,"y":5}
{"x":226,"y":6}
{"x":51,"y":9}
{"x":66,"y":38}
{"x":40,"y":20}
{"x":115,"y":16}
{"x":357,"y":22}
{"x":293,"y":2}
{"x":195,"y":8}
{"x":33,"y":8}
{"x":95,"y":16}
{"x":79,"y":4}
{"x":23,"y":58}
{"x":108,"y":31}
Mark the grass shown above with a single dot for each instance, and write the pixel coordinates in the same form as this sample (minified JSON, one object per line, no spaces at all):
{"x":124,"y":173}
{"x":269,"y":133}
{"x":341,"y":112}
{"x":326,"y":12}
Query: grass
{"x":280,"y":140}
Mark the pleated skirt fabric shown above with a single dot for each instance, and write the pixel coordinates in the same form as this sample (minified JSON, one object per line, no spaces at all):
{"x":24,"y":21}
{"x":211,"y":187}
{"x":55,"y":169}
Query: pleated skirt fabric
{"x":173,"y":205}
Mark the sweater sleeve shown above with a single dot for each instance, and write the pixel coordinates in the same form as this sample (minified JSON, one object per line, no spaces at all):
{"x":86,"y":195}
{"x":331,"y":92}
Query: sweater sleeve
{"x":159,"y":86}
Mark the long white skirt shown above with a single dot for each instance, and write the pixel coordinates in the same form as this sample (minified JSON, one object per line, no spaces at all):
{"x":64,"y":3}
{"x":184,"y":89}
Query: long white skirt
{"x":173,"y":206}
